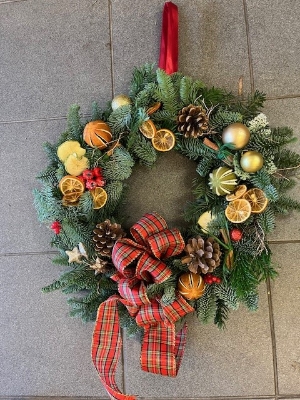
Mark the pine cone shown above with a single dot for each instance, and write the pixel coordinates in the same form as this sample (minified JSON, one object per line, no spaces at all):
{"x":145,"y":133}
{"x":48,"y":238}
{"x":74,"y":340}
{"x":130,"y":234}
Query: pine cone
{"x":105,"y":236}
{"x":202,"y":255}
{"x":192,"y":121}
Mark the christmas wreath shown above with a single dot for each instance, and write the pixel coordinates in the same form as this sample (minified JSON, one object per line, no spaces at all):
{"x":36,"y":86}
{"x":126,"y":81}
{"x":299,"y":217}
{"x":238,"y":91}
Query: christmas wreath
{"x":244,"y":170}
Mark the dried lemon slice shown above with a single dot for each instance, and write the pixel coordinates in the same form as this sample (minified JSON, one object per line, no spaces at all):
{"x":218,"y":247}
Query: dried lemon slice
{"x":99,"y":197}
{"x":257,"y":200}
{"x":238,"y":211}
{"x":238,"y":192}
{"x":148,"y":129}
{"x":71,"y":184}
{"x":163,"y":140}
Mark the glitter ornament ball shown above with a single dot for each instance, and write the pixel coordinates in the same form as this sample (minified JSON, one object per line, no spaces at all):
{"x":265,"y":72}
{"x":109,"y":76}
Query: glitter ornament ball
{"x":119,"y":101}
{"x":236,"y":234}
{"x":237,"y":135}
{"x":252,"y":161}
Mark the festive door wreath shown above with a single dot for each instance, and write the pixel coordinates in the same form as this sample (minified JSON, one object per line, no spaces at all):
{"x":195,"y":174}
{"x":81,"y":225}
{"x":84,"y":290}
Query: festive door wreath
{"x":244,"y":169}
{"x":148,"y":278}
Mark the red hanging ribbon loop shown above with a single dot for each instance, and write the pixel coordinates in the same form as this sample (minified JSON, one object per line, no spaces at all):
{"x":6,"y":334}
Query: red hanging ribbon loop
{"x":168,"y":57}
{"x":137,"y":265}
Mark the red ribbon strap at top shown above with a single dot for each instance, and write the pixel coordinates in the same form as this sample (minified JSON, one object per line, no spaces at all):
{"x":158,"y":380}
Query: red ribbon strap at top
{"x":138,"y":263}
{"x":168,"y":56}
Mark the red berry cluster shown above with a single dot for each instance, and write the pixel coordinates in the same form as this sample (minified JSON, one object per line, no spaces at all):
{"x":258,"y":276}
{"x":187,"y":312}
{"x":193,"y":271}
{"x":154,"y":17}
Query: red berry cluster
{"x":56,"y":227}
{"x":93,"y":178}
{"x":210,"y":279}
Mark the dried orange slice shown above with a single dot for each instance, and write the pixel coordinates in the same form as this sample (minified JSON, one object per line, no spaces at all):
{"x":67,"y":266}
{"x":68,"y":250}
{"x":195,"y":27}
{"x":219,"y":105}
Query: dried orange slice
{"x":152,"y":109}
{"x":99,"y":197}
{"x":257,"y":200}
{"x":148,"y":129}
{"x":71,"y":199}
{"x":238,"y":192}
{"x":238,"y":211}
{"x":71,"y":184}
{"x":163,"y":140}
{"x":113,"y":147}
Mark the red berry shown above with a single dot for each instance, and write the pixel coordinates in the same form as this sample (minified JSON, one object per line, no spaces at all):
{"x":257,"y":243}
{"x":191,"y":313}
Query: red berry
{"x":97,"y":171}
{"x":90,"y":184}
{"x":236,"y":234}
{"x":219,"y":280}
{"x":56,"y":227}
{"x":100,"y":181}
{"x":214,"y":278}
{"x":88,"y":174}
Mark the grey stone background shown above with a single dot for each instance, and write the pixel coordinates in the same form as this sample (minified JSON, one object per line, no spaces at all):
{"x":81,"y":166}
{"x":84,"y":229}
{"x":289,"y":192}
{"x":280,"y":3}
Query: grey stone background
{"x":54,"y":53}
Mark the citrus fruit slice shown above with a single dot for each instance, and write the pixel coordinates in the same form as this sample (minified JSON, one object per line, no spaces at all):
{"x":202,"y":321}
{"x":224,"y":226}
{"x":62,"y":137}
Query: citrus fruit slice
{"x":153,"y":108}
{"x":163,"y":140}
{"x":205,"y":219}
{"x":238,"y":211}
{"x":148,"y":129}
{"x":257,"y":200}
{"x":71,"y":199}
{"x":99,"y":197}
{"x":238,"y":192}
{"x":71,"y":184}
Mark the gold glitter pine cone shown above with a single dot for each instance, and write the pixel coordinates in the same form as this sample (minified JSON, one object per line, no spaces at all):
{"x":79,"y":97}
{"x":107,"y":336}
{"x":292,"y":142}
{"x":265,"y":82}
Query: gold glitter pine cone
{"x":192,"y":121}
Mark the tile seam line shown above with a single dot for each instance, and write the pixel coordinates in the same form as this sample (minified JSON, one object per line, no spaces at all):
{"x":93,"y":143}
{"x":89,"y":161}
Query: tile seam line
{"x":250,"y":61}
{"x":64,"y":117}
{"x":273,"y":338}
{"x":7,"y":2}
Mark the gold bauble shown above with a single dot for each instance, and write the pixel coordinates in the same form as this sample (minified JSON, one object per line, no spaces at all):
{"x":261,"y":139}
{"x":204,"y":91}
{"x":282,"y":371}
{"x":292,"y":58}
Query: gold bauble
{"x":236,"y":134}
{"x":252,"y":161}
{"x":119,"y":101}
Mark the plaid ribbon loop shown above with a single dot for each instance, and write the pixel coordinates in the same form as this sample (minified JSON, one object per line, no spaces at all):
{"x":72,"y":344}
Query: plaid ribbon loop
{"x":138,"y":263}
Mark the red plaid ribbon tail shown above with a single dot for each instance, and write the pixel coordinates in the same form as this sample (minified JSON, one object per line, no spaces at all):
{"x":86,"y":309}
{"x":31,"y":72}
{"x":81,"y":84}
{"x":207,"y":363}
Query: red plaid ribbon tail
{"x":106,"y":347}
{"x":162,"y":350}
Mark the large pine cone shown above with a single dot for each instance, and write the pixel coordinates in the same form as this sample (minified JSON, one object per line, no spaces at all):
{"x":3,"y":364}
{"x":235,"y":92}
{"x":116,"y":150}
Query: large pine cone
{"x":192,"y":121}
{"x":105,"y":236}
{"x":202,"y":255}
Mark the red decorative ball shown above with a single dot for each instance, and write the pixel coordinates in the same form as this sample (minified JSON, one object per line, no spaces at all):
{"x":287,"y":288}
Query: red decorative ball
{"x":236,"y":234}
{"x":97,"y":171}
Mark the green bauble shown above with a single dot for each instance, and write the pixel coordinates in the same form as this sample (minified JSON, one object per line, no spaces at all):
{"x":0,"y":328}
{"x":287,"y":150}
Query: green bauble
{"x":237,"y":135}
{"x":252,"y":161}
{"x":119,"y":101}
{"x":222,"y":181}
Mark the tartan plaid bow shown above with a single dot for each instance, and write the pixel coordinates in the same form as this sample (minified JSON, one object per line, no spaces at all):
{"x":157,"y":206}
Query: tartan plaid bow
{"x":138,"y":263}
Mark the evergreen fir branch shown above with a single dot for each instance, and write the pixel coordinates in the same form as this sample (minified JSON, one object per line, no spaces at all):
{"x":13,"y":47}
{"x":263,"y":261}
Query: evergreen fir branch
{"x":169,"y":295}
{"x":56,"y":285}
{"x":166,"y":93}
{"x":260,"y":179}
{"x":78,"y":279}
{"x":194,"y":149}
{"x":250,"y":107}
{"x":128,"y":322}
{"x":285,"y":204}
{"x":206,"y":164}
{"x":281,"y":183}
{"x":144,"y":152}
{"x":140,"y":78}
{"x":223,"y":118}
{"x":190,"y":90}
{"x":119,"y":166}
{"x":51,"y":152}
{"x":146,"y":96}
{"x":114,"y":195}
{"x":286,"y":159}
{"x":267,"y":220}
{"x":216,"y":96}
{"x":60,"y":172}
{"x":221,"y":315}
{"x":48,"y":176}
{"x":200,"y":187}
{"x":281,"y":137}
{"x":74,"y":124}
{"x":271,"y":192}
{"x":205,"y":306}
{"x":61,"y":260}
{"x":47,"y":206}
{"x":227,"y":295}
{"x":85,"y":206}
{"x":85,"y":308}
{"x":77,"y":232}
{"x":243,"y":279}
{"x":119,"y":120}
{"x":96,"y":112}
{"x":251,"y":301}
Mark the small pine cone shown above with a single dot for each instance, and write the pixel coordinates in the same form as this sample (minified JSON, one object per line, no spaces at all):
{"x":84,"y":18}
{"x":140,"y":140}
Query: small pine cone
{"x":202,"y":256}
{"x":105,"y":236}
{"x":192,"y":121}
